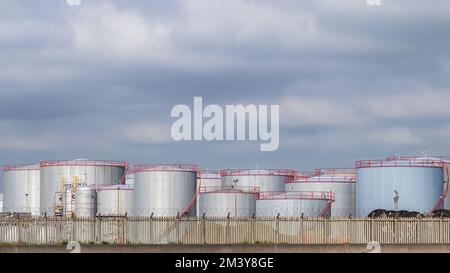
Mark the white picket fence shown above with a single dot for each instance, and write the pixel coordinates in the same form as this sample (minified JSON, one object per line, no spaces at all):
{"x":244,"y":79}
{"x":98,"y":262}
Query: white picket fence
{"x":136,"y":230}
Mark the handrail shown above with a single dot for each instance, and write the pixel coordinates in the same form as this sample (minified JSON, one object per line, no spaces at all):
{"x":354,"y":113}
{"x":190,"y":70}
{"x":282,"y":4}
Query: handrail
{"x":249,"y":172}
{"x":304,"y":195}
{"x":165,"y":167}
{"x":21,"y":167}
{"x":224,"y":189}
{"x":47,"y":163}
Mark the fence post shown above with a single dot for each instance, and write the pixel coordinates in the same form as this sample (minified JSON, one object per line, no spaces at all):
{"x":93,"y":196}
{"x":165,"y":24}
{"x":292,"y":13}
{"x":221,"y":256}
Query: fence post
{"x":19,"y":237}
{"x":203,"y":230}
{"x":302,"y":231}
{"x":372,"y":237}
{"x":124,"y":230}
{"x":227,"y":232}
{"x":253,"y":230}
{"x":277,"y":230}
{"x":395,"y":231}
{"x":73,"y":229}
{"x":177,"y":229}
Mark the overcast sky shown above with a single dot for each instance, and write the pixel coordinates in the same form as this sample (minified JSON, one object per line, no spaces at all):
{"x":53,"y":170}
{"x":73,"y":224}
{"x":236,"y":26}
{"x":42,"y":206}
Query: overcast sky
{"x":353,"y":81}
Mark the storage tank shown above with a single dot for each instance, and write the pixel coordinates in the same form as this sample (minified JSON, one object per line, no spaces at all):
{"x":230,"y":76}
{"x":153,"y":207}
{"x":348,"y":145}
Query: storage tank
{"x":340,"y":181}
{"x":116,"y":200}
{"x":412,"y":184}
{"x":294,"y":204}
{"x":207,"y":178}
{"x":21,"y":189}
{"x":165,"y":190}
{"x":85,"y":201}
{"x":224,"y":201}
{"x":265,"y":179}
{"x":56,"y":175}
{"x":68,"y":202}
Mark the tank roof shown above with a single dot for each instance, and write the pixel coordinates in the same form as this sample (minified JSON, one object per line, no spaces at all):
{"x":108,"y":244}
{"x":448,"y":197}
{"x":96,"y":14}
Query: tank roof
{"x":302,"y":195}
{"x":228,"y":189}
{"x":265,"y":172}
{"x":82,"y":162}
{"x":423,"y":162}
{"x":23,"y":167}
{"x":165,"y":167}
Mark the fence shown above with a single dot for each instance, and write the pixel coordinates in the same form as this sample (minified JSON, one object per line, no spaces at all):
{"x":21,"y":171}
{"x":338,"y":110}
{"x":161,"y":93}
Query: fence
{"x":48,"y":231}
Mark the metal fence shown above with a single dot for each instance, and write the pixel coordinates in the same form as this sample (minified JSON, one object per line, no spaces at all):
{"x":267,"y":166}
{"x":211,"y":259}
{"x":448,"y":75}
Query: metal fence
{"x":48,"y":231}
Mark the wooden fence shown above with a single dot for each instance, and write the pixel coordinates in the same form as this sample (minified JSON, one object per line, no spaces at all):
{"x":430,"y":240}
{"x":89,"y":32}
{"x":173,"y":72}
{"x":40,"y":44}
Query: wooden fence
{"x":136,"y":230}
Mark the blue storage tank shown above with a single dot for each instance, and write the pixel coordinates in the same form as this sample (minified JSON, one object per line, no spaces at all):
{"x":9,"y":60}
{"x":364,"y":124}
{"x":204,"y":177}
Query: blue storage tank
{"x":413,"y":184}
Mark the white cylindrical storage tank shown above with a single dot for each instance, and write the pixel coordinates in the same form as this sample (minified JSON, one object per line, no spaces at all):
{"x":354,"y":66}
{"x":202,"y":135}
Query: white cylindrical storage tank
{"x":21,"y":189}
{"x":69,"y":202}
{"x":116,"y":200}
{"x":85,"y":202}
{"x":227,"y":201}
{"x":207,"y":178}
{"x":265,"y":179}
{"x":341,"y":182}
{"x":56,"y":175}
{"x":165,"y":190}
{"x":294,"y":204}
{"x":411,"y":184}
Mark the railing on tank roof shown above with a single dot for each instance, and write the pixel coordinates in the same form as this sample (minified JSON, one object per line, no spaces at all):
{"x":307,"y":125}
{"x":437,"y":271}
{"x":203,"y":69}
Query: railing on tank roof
{"x":445,"y":159}
{"x":334,"y":171}
{"x":242,"y":189}
{"x":112,"y":187}
{"x":270,"y":172}
{"x":303,"y":195}
{"x":21,"y":167}
{"x":323,"y":179}
{"x":165,"y":167}
{"x":46,"y":163}
{"x":207,"y":174}
{"x":400,"y":162}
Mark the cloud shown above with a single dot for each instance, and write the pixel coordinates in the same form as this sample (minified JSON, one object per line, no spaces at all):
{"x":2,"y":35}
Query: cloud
{"x":147,"y":132}
{"x":394,"y":136}
{"x":104,"y":29}
{"x":303,"y":111}
{"x":423,"y":102}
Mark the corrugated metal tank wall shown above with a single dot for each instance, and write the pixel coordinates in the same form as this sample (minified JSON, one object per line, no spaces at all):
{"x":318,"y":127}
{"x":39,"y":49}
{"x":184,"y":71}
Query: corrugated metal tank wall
{"x":226,"y":202}
{"x":165,"y":190}
{"x":85,"y":202}
{"x":56,"y":173}
{"x":266,"y":180}
{"x":292,"y":204}
{"x":418,"y":185}
{"x":21,"y":186}
{"x":115,"y":200}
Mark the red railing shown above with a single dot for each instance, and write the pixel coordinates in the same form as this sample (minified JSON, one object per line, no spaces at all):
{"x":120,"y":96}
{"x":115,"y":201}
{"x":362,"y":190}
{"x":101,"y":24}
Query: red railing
{"x":323,"y":179}
{"x":304,"y":195}
{"x":242,"y":189}
{"x":405,"y":162}
{"x":21,"y":167}
{"x":335,"y":171}
{"x":113,"y":187}
{"x":249,"y":172}
{"x":207,"y":174}
{"x":82,"y":162}
{"x":165,"y":167}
